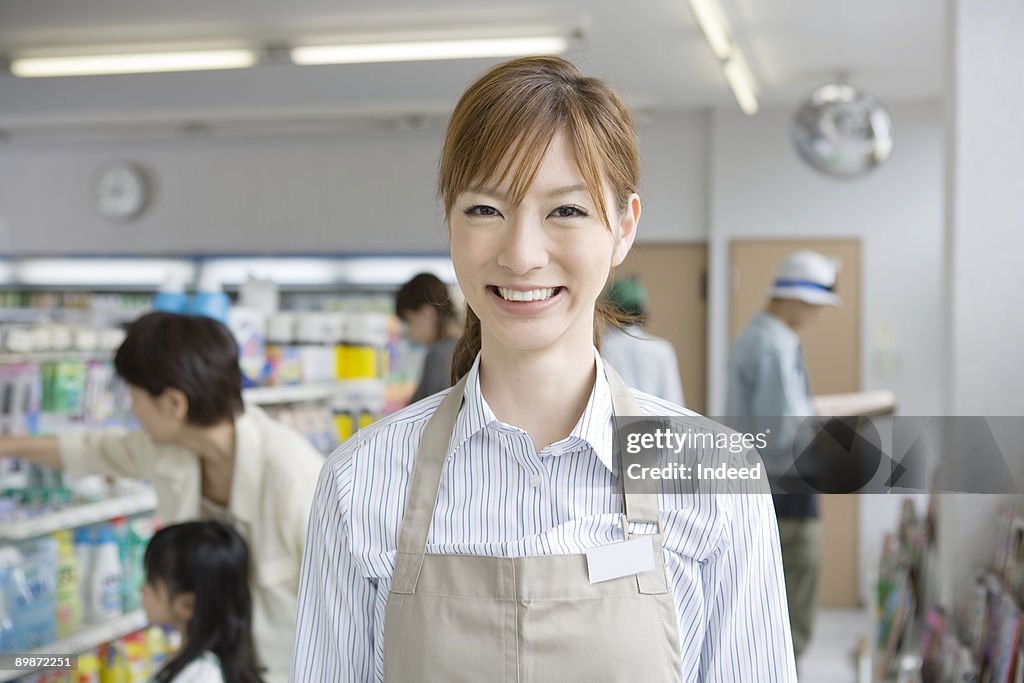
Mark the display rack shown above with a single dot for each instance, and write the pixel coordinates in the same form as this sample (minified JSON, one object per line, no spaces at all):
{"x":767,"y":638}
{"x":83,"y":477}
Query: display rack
{"x":86,"y":639}
{"x":297,"y":393}
{"x":79,"y":515}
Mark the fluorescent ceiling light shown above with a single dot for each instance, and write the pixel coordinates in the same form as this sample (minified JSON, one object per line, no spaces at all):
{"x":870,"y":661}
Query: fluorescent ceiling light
{"x":100,"y":272}
{"x":716,"y":30}
{"x":742,"y":83}
{"x":233,"y":272}
{"x":315,"y":271}
{"x":357,"y":53}
{"x":713,"y":24}
{"x":392,"y":270}
{"x":95,"y":65}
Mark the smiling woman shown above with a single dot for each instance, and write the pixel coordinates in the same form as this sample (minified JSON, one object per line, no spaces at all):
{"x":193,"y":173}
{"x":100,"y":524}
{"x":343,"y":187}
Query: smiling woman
{"x":493,"y":515}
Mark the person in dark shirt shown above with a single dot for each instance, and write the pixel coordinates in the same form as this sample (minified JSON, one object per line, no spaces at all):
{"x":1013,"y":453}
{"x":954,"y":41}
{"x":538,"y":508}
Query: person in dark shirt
{"x":425,"y":306}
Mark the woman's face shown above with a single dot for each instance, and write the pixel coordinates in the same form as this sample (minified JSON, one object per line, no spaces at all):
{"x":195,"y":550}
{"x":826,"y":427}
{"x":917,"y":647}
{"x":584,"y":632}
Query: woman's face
{"x":533,"y":271}
{"x":421,"y":324}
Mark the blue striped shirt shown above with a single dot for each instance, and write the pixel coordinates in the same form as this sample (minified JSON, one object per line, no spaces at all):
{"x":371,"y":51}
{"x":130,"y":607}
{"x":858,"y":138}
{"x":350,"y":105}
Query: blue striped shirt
{"x":499,"y":497}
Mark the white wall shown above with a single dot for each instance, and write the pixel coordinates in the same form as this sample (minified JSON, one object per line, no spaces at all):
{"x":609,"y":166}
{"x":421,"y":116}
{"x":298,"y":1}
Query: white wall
{"x":357,"y":191}
{"x":985,"y":233}
{"x":368,"y":191}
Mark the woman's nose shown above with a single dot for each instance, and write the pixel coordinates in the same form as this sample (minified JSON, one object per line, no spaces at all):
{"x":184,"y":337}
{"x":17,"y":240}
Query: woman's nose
{"x":523,"y":247}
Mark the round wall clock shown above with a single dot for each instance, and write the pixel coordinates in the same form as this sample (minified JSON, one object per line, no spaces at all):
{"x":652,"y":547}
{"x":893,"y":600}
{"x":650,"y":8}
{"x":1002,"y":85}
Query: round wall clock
{"x":121,"y":191}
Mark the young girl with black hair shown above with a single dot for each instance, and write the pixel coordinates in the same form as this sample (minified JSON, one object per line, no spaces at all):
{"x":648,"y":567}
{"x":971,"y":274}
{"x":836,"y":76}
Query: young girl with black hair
{"x":197,"y":582}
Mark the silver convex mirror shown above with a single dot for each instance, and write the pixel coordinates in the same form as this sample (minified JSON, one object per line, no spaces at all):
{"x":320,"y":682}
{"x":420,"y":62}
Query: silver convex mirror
{"x":842,"y":131}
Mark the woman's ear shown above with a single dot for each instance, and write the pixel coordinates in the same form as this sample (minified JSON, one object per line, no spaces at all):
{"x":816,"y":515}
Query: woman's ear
{"x":628,"y":221}
{"x":183,"y":606}
{"x":174,"y":404}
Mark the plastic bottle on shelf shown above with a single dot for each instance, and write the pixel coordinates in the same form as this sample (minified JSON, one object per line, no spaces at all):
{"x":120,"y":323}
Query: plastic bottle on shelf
{"x":69,"y":603}
{"x":140,"y":530}
{"x":34,"y":607}
{"x":284,"y":364}
{"x":249,"y":327}
{"x":210,"y":299}
{"x":158,"y":646}
{"x":363,"y":353}
{"x":171,"y":296}
{"x":85,"y":543}
{"x":9,"y":561}
{"x":315,"y":348}
{"x":114,"y":663}
{"x":106,"y":590}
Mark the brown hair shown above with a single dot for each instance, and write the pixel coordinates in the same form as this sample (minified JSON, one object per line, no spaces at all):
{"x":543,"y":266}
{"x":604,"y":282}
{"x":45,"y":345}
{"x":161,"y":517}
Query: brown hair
{"x":502,"y":127}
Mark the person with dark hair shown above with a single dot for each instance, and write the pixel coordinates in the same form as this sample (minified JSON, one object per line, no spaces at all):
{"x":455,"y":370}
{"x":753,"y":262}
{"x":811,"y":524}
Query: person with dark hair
{"x":207,"y":455}
{"x":425,"y":306}
{"x":646,"y":362}
{"x":489,"y":532}
{"x":197,"y":581}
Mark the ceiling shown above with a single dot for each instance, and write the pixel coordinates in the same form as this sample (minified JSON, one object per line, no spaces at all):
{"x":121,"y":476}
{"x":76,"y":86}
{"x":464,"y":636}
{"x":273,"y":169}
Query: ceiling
{"x":651,"y":49}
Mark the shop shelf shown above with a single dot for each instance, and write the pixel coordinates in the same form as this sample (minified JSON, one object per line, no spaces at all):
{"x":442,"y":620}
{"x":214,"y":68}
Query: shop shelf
{"x":79,"y":515}
{"x":298,"y":393}
{"x":88,"y":638}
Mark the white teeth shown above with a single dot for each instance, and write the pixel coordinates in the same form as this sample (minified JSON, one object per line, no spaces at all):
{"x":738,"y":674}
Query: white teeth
{"x":531,"y":295}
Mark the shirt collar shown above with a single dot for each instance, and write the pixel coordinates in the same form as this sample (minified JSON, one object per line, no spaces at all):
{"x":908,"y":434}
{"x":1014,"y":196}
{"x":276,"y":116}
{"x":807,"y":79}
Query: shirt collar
{"x":778,"y":327}
{"x":594,"y":428}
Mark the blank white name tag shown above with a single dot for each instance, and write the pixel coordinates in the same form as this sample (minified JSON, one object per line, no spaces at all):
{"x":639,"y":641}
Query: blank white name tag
{"x":611,"y":561}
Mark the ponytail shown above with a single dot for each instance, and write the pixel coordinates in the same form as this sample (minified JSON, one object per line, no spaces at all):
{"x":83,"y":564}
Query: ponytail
{"x":468,"y":346}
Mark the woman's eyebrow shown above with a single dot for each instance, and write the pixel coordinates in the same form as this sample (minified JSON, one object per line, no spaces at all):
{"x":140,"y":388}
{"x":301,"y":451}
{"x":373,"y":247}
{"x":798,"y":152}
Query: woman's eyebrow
{"x":489,"y":191}
{"x":568,"y":189}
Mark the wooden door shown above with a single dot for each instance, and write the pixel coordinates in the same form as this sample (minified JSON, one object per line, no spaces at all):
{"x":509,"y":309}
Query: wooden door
{"x":832,"y":356}
{"x":675,"y":276}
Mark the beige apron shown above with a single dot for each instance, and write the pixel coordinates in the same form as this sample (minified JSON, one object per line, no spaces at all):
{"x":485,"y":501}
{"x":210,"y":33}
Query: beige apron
{"x":453,"y":618}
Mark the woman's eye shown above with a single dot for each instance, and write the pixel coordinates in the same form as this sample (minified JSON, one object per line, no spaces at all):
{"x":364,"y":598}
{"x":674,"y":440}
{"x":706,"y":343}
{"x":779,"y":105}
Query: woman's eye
{"x":569,"y":212}
{"x":481,"y":210}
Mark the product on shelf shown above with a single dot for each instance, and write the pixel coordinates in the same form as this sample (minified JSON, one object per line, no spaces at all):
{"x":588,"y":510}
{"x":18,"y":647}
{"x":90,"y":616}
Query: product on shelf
{"x":311,"y":419}
{"x":362,"y":347}
{"x":31,"y":590}
{"x":249,"y":329}
{"x":88,"y":670}
{"x":106,"y":577}
{"x":138,"y":533}
{"x":284,"y":365}
{"x":10,"y":562}
{"x":69,"y":602}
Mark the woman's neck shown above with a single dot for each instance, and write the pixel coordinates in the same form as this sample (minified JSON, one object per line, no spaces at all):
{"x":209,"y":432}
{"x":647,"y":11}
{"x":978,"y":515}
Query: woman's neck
{"x":215,"y":445}
{"x":215,"y":448}
{"x":543,"y":392}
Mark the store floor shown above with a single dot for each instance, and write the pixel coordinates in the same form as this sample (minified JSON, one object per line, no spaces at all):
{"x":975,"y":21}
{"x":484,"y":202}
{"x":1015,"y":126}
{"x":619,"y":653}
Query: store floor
{"x":829,"y":659}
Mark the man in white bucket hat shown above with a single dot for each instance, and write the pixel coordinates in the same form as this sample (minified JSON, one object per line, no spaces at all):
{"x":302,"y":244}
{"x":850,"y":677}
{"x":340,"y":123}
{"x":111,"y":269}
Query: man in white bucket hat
{"x":767,"y":380}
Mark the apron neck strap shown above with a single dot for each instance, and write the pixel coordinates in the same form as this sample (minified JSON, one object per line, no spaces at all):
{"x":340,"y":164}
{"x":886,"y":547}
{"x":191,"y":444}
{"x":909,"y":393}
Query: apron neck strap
{"x":426,"y":473}
{"x":638,"y":506}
